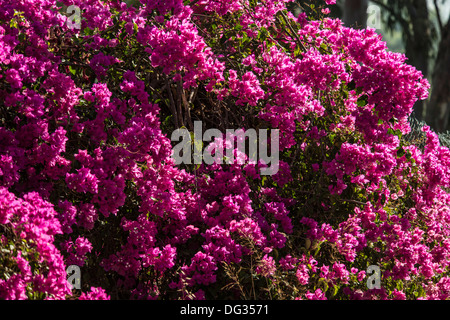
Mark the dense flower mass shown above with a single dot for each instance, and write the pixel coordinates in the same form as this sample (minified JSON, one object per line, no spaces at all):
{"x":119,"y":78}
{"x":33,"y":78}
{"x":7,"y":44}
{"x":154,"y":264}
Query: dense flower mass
{"x":87,"y":176}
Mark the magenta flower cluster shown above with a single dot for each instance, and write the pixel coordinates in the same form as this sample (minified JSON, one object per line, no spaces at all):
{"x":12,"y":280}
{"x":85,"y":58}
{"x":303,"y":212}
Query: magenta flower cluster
{"x":87,"y":178}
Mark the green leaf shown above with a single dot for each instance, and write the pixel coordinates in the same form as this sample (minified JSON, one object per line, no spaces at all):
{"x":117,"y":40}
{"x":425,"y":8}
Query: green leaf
{"x":332,"y":137}
{"x":362,"y":101}
{"x":335,"y":291}
{"x":317,"y":250}
{"x":22,"y":37}
{"x":263,"y":180}
{"x":324,"y":284}
{"x":351,"y":85}
{"x":13,"y":24}
{"x":72,"y":70}
{"x":420,"y":291}
{"x":87,"y":31}
{"x":401,"y":152}
{"x":397,"y":132}
{"x":262,"y":33}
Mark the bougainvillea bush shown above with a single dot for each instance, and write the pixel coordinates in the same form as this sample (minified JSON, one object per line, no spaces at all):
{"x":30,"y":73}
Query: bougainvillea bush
{"x":88,"y":178}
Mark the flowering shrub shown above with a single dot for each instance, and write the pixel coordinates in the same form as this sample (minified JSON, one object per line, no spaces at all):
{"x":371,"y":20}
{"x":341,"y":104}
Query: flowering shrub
{"x":87,"y":177}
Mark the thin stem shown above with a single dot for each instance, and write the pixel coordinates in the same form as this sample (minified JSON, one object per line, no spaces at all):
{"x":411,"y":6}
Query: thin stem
{"x":353,"y":201}
{"x":172,"y":103}
{"x":251,"y":273}
{"x":293,"y":32}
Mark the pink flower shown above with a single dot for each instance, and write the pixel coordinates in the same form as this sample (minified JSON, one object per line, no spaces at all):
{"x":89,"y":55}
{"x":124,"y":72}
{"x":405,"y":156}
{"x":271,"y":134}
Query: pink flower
{"x":85,"y":153}
{"x":398,"y":295}
{"x":317,"y":295}
{"x":266,"y":267}
{"x":302,"y":274}
{"x":95,"y":293}
{"x":82,"y":181}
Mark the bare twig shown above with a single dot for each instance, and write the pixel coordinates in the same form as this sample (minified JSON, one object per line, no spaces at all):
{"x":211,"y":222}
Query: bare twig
{"x":293,"y":32}
{"x":172,"y":103}
{"x":353,"y":201}
{"x":179,"y":103}
{"x":187,"y":111}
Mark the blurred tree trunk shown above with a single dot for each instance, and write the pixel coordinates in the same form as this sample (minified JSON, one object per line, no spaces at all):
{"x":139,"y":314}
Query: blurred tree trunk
{"x":414,"y":18}
{"x":418,"y":45}
{"x":438,"y":109}
{"x":355,"y":13}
